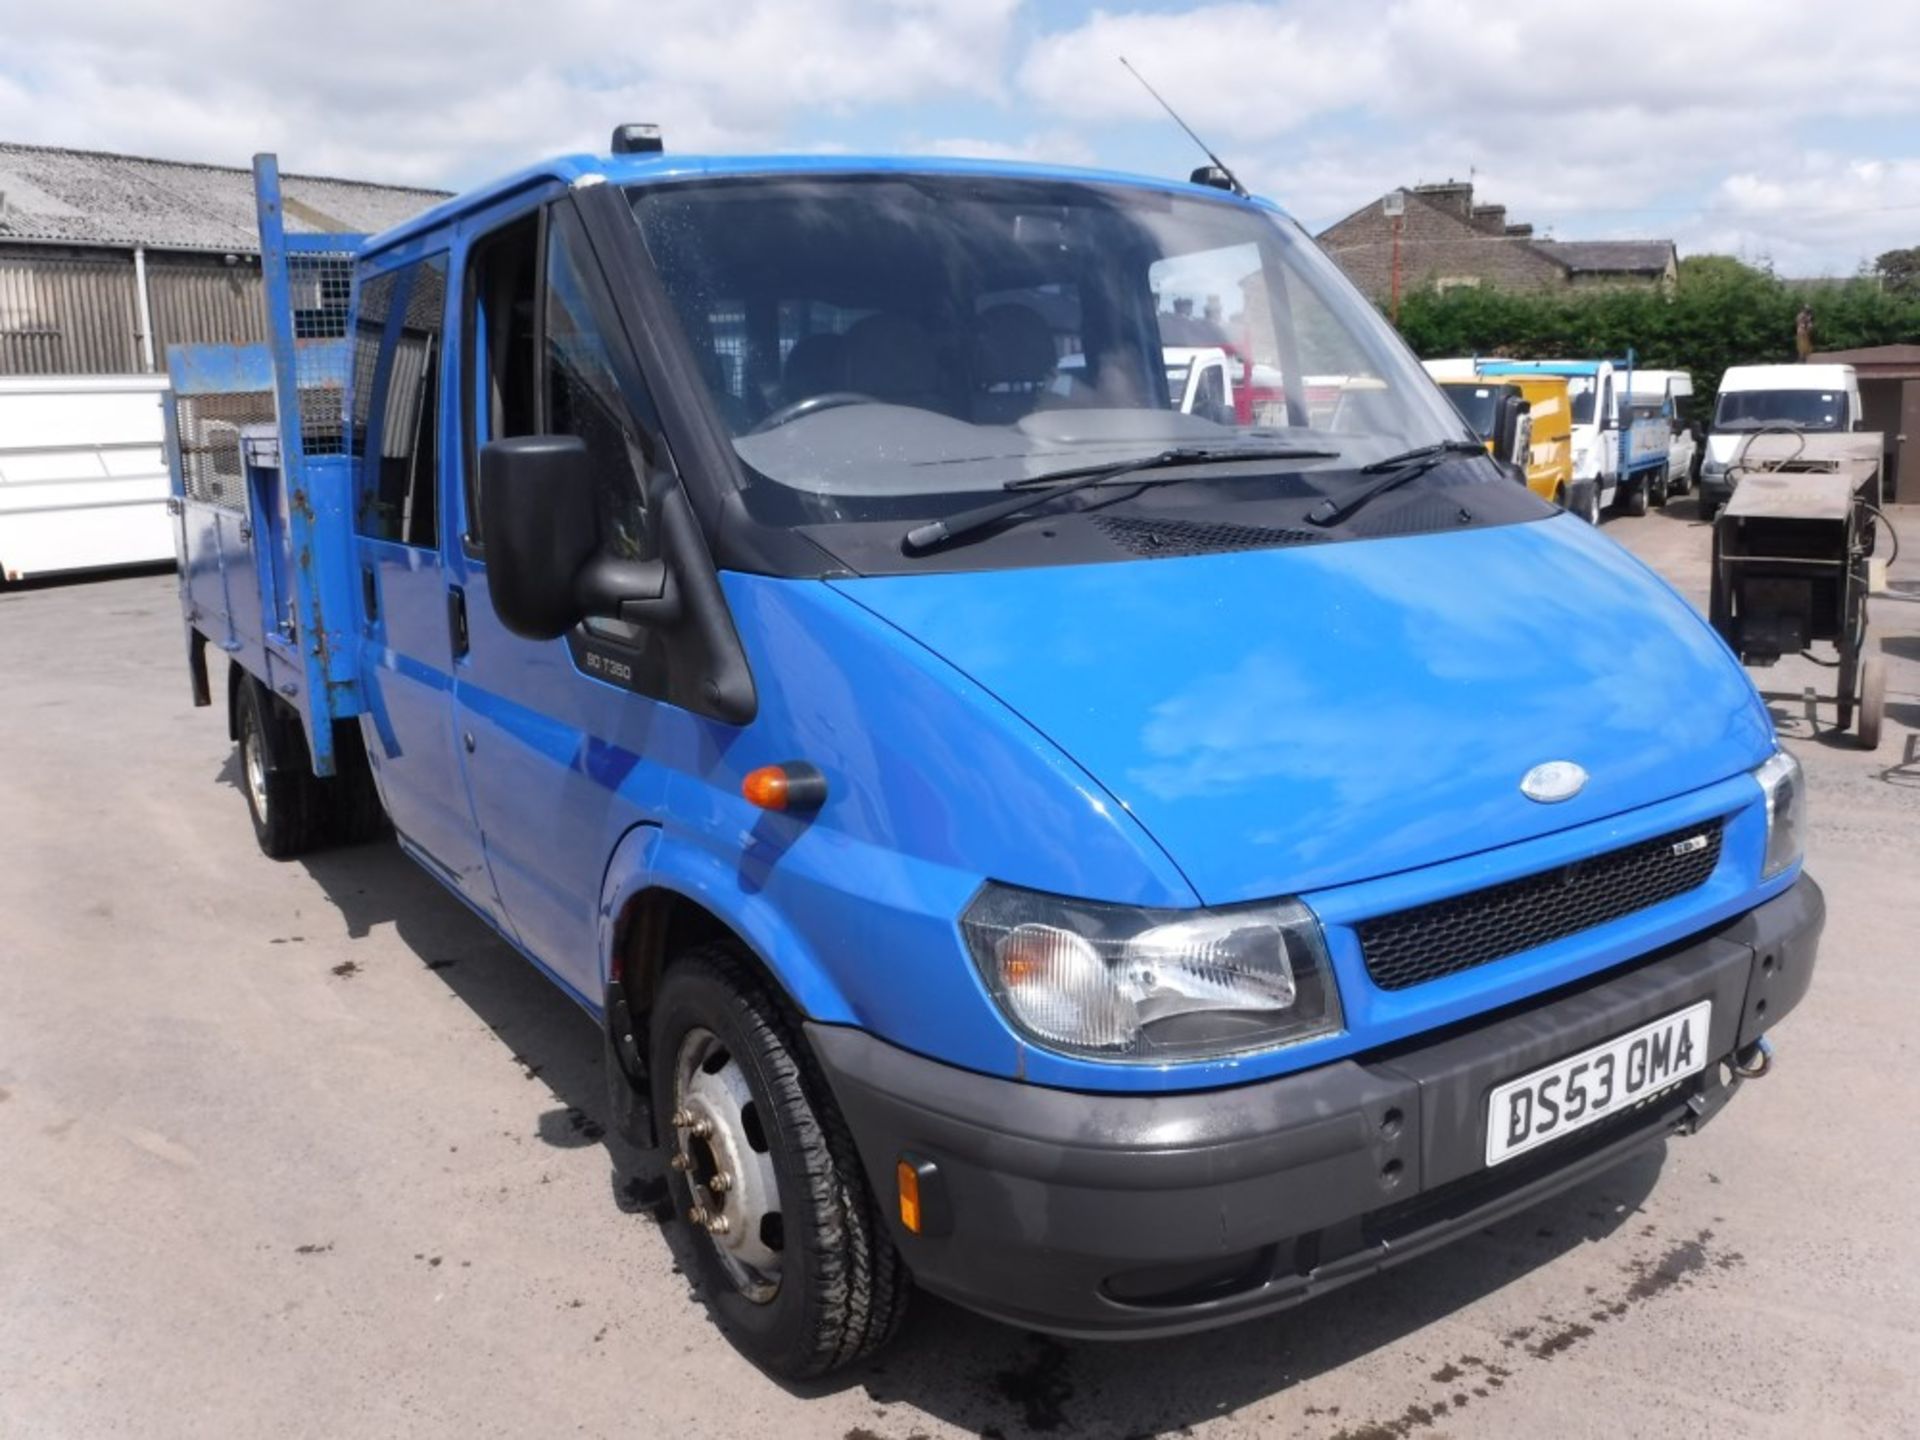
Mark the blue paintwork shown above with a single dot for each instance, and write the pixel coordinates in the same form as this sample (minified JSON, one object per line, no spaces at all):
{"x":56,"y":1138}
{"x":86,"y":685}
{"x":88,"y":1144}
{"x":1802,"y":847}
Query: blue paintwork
{"x":1380,"y":715}
{"x":1346,"y":722}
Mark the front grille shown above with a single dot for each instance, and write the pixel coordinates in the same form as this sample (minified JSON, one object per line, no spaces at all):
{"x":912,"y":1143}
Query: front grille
{"x":1410,"y":947}
{"x":1192,"y":537}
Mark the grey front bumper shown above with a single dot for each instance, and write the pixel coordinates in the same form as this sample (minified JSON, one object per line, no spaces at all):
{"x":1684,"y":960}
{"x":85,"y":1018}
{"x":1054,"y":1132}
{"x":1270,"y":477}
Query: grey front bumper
{"x":1109,"y":1214}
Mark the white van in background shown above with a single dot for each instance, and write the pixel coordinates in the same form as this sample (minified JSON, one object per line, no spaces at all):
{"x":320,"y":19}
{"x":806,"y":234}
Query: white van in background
{"x":1759,"y":397}
{"x":83,"y":473}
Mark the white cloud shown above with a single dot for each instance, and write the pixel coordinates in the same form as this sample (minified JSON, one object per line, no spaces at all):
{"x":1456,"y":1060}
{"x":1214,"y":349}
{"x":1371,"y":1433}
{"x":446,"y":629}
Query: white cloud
{"x":1590,"y":124}
{"x":1055,"y":147}
{"x":437,"y":92}
{"x":1713,"y":121}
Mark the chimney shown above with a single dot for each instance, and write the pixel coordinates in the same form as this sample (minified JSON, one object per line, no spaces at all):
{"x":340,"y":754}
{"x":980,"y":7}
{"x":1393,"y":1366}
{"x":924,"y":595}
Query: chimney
{"x":1520,"y":232}
{"x":1492,"y":218}
{"x":1454,"y":195}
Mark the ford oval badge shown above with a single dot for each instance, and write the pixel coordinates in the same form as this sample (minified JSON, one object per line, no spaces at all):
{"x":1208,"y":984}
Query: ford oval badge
{"x":1553,"y":782}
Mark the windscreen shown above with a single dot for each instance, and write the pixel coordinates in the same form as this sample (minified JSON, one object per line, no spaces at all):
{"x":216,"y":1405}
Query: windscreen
{"x":1476,"y":404}
{"x":872,"y":339}
{"x":1806,"y":409}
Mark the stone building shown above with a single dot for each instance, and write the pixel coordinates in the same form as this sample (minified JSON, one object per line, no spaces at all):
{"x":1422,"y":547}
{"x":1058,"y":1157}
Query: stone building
{"x":1447,"y":239}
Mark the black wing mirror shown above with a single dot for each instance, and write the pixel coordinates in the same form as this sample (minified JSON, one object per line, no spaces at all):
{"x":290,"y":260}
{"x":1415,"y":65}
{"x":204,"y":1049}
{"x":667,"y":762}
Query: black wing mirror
{"x":540,"y":523}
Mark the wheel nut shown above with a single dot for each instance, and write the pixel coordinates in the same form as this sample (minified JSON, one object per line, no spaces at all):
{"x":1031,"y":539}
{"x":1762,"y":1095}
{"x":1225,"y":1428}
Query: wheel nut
{"x":681,"y":1119}
{"x":700,"y":1129}
{"x":698,"y":1216}
{"x":718,"y":1225}
{"x":720,"y":1183}
{"x":679,"y":1161}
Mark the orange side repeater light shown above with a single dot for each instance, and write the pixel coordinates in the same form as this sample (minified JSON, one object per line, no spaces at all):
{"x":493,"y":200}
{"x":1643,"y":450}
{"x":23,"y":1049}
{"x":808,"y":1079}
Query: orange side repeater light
{"x":795,"y":785}
{"x":908,"y":1180}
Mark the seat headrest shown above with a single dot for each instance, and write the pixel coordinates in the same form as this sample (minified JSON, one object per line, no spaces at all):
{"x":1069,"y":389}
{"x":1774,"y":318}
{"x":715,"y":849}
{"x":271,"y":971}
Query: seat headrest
{"x":1012,"y":345}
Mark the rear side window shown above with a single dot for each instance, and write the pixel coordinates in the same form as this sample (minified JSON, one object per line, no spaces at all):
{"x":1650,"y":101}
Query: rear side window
{"x":396,"y":375}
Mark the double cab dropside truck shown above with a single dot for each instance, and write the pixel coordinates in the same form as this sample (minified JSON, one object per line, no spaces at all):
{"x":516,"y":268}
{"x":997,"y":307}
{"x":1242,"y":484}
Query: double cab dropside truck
{"x":786,"y":599}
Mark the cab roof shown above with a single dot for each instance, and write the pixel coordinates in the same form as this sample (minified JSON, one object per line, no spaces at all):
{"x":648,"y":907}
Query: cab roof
{"x":640,"y":169}
{"x":1787,"y":377}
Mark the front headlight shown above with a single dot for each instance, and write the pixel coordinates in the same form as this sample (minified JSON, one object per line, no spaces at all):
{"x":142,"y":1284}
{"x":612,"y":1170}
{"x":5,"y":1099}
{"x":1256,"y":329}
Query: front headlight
{"x":1785,"y":787}
{"x":1119,"y":983}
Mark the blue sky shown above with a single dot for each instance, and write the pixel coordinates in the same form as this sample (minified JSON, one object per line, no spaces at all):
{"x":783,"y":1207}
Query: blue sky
{"x":1767,"y":128}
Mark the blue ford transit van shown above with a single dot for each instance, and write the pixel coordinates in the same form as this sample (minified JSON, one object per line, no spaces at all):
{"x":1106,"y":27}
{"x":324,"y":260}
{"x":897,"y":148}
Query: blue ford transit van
{"x":1120,"y":869}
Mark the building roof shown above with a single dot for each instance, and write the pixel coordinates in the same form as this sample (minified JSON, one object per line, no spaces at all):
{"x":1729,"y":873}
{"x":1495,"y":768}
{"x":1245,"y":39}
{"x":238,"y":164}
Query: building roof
{"x":83,"y":197}
{"x":1876,"y":362}
{"x":1610,"y":257}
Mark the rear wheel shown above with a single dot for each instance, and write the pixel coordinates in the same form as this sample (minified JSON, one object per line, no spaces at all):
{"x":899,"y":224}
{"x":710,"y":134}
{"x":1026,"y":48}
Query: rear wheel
{"x":793,"y":1254}
{"x":1709,"y":507}
{"x":1657,"y":489}
{"x":1633,"y":496}
{"x":283,"y":795}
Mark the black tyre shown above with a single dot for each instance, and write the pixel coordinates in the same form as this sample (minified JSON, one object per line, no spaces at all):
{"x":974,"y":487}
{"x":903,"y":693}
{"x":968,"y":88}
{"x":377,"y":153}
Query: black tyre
{"x":283,"y":796}
{"x":1709,"y":507}
{"x":355,"y":815}
{"x":793,"y":1255}
{"x":1657,"y":488}
{"x":1633,"y":497}
{"x":1873,"y":700}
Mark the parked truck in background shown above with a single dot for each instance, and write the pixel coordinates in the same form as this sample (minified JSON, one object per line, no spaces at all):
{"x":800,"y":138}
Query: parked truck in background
{"x":1757,"y":398}
{"x":1667,"y":395}
{"x":1123,"y":871}
{"x":1619,"y":458}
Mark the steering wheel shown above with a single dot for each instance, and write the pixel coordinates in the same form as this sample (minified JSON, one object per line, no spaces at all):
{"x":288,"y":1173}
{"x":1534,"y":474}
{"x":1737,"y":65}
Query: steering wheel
{"x":809,"y":405}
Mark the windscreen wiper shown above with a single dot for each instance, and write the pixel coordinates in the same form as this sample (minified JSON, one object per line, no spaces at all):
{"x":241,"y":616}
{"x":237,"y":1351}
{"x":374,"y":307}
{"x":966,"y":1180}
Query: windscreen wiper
{"x":1395,"y":470}
{"x":1038,"y":489}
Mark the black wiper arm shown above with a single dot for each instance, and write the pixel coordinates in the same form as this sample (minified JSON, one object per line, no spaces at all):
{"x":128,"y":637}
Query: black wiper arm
{"x":1395,"y":470}
{"x":1039,"y":489}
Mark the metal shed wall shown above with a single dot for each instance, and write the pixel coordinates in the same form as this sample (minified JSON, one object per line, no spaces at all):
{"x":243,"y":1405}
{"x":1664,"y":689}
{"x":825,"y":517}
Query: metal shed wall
{"x":202,"y":300}
{"x":65,"y":314}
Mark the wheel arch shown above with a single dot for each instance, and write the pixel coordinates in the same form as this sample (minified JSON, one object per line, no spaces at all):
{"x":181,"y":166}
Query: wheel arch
{"x":659,"y":897}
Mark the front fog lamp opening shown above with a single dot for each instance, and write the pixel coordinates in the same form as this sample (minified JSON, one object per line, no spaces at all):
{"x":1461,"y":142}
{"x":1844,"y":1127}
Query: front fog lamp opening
{"x":1129,"y":984}
{"x":1785,"y":786}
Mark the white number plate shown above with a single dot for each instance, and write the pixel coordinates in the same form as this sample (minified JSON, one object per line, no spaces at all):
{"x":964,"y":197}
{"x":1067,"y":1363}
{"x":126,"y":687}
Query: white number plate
{"x":1573,"y":1093}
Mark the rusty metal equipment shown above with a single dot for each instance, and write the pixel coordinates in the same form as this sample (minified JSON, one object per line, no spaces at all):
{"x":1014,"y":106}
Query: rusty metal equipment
{"x":1793,"y":555}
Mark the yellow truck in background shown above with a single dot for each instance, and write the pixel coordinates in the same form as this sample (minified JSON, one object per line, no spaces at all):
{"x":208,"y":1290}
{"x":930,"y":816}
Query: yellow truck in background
{"x":1547,"y":433}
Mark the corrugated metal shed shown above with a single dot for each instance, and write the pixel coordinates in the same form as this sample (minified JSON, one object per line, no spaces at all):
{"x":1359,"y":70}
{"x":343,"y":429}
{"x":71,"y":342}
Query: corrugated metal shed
{"x":82,"y":197}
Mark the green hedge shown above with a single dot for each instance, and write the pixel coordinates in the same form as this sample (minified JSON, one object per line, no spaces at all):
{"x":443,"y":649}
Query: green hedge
{"x":1720,"y":313}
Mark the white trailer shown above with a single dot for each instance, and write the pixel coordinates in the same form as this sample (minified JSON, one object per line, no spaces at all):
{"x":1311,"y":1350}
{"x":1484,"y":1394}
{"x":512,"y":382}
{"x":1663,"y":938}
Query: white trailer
{"x":83,"y":473}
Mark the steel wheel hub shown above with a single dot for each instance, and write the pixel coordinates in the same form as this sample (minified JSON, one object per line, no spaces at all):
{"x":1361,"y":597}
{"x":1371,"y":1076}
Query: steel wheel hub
{"x":255,"y":764}
{"x":722,"y":1151}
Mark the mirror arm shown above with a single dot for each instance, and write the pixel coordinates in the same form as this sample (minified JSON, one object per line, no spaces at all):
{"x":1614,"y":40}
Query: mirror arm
{"x":640,"y":592}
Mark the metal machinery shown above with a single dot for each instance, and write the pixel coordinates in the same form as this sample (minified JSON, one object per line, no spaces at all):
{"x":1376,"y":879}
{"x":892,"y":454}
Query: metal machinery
{"x":1792,"y":559}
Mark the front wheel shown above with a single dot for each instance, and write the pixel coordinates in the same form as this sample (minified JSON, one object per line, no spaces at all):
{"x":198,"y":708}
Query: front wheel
{"x":793,"y":1255}
{"x":1589,"y":507}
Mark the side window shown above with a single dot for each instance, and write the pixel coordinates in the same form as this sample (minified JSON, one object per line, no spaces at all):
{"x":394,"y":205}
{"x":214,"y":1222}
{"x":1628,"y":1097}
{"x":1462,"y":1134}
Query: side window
{"x":502,"y":350}
{"x":396,"y":373}
{"x":585,"y":393}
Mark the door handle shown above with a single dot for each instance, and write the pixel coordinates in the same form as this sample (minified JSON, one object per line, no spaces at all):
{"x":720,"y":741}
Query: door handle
{"x":457,"y":620}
